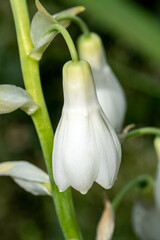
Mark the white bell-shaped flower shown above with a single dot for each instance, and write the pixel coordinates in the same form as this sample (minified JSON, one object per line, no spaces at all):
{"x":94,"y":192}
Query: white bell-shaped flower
{"x":86,"y":148}
{"x":146,"y":213}
{"x":109,"y":91}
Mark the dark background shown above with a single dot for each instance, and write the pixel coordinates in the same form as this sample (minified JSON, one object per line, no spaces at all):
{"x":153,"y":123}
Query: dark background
{"x":130,"y":31}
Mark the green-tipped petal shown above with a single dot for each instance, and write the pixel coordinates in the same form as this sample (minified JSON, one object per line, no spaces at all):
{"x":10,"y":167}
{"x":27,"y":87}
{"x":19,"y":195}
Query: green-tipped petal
{"x":27,"y":176}
{"x":12,"y":98}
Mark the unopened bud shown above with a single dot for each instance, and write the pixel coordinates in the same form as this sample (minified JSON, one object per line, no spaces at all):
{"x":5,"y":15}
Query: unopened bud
{"x":106,"y":224}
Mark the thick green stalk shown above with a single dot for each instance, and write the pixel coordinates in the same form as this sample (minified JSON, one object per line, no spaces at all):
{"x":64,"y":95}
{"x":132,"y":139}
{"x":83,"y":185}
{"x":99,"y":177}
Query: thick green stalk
{"x":30,"y":69}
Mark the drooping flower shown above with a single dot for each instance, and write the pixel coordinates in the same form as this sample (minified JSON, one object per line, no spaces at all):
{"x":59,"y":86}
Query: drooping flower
{"x":27,"y":176}
{"x":109,"y":91}
{"x":146,"y":213}
{"x":86,"y":148}
{"x":13,"y":97}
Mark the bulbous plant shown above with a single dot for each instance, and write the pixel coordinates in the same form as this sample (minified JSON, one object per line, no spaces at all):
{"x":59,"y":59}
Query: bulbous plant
{"x":86,"y":147}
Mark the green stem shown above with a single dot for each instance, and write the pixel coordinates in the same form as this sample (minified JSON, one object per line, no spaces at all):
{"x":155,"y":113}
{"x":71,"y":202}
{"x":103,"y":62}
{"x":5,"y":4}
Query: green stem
{"x":82,"y":25}
{"x":30,"y":69}
{"x":144,"y":181}
{"x":142,"y":131}
{"x":67,"y":38}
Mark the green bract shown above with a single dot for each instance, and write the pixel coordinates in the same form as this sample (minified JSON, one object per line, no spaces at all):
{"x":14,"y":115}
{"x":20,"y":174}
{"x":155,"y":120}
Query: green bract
{"x":27,"y":176}
{"x":42,"y":20}
{"x":12,"y":98}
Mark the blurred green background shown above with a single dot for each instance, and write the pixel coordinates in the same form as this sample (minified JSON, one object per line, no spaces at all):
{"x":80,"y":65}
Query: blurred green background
{"x":130,"y":31}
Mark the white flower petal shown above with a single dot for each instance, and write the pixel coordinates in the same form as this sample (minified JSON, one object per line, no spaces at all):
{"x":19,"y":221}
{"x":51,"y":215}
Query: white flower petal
{"x":58,"y":167}
{"x":109,"y":92}
{"x":79,"y":162}
{"x":91,"y":49}
{"x":12,"y":98}
{"x":33,"y":187}
{"x":23,"y":170}
{"x":28,"y":176}
{"x":113,"y":134}
{"x":145,"y":221}
{"x":86,"y":148}
{"x":109,"y":160}
{"x":111,"y":96}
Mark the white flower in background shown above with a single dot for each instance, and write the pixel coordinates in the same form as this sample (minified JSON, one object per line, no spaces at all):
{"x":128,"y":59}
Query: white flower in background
{"x":27,"y":176}
{"x":146,"y":221}
{"x":109,"y":91}
{"x":86,"y":148}
{"x":146,"y":214}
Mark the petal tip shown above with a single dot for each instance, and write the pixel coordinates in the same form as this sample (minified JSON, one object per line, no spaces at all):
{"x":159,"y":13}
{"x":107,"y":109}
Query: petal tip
{"x":81,"y":9}
{"x":84,"y":192}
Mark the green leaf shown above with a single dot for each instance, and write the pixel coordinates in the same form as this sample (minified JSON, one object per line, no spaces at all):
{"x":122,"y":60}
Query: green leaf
{"x":12,"y":98}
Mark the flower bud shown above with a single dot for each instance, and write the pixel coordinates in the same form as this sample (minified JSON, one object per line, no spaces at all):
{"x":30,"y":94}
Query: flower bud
{"x":110,"y":93}
{"x":27,"y":176}
{"x":106,"y":224}
{"x":86,"y":148}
